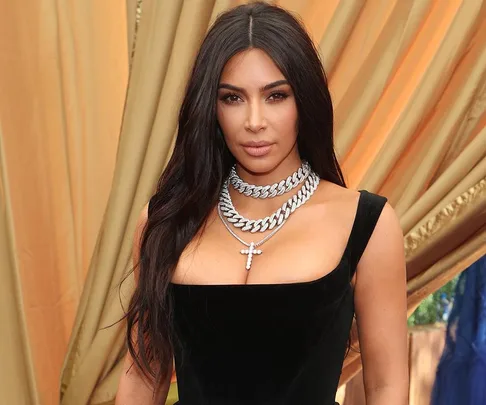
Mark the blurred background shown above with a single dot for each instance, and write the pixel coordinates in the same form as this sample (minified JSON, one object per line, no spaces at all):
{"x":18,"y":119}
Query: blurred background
{"x":89,"y":96}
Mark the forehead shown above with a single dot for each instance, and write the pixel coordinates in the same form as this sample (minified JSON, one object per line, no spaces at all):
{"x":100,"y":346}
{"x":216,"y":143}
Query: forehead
{"x":249,"y":68}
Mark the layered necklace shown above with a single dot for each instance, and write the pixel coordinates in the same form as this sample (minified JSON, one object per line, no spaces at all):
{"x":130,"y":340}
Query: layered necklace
{"x":304,"y":176}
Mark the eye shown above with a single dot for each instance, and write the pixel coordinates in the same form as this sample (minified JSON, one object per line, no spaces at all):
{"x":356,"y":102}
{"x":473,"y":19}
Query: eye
{"x":230,"y":98}
{"x":278,"y":96}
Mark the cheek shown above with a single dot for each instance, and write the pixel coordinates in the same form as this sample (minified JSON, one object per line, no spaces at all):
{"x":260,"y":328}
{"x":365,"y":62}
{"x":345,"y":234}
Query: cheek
{"x":284,"y":121}
{"x":230,"y":120}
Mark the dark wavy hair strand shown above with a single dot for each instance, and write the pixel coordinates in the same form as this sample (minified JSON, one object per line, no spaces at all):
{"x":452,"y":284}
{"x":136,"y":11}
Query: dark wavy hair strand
{"x":189,"y":187}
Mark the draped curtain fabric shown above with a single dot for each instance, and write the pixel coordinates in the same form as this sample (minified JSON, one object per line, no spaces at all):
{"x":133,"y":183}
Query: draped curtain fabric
{"x":168,"y":37}
{"x":63,"y":78}
{"x":408,"y":81}
{"x":17,"y":381}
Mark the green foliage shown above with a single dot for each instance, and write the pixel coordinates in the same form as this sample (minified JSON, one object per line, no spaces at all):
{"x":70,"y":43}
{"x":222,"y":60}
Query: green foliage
{"x":433,"y":308}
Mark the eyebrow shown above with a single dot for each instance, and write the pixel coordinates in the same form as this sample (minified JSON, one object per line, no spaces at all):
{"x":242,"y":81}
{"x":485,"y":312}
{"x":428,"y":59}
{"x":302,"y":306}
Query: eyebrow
{"x":264,"y":88}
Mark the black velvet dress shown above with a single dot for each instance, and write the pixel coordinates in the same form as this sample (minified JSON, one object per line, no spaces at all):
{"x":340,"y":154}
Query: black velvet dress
{"x":269,"y":343}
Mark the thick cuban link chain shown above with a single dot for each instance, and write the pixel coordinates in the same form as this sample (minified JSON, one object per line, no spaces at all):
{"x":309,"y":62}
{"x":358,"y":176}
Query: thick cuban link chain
{"x":272,"y":190}
{"x":277,"y":218}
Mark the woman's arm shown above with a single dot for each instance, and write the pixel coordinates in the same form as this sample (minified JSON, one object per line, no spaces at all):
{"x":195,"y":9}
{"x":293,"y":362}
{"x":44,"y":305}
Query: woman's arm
{"x":381,"y":313}
{"x":134,"y":388}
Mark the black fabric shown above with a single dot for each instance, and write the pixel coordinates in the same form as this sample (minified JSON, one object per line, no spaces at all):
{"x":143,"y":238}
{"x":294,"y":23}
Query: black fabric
{"x":269,"y":344}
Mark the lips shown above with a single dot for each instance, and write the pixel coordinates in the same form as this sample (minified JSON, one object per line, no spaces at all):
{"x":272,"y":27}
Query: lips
{"x":257,"y":149}
{"x":254,"y":144}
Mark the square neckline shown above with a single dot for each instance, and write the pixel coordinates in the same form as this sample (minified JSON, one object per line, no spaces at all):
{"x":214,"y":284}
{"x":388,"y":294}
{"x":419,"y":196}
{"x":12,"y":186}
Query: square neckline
{"x":283,"y":285}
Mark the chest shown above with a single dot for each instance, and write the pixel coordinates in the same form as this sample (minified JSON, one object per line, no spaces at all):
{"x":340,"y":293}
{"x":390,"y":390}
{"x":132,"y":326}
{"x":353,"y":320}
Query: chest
{"x":309,"y":246}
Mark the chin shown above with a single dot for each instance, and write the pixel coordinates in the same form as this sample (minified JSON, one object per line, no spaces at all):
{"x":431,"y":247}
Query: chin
{"x":258,"y":166}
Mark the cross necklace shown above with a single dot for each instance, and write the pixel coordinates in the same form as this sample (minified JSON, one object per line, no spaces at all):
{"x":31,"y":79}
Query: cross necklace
{"x":252,"y":247}
{"x":226,"y":205}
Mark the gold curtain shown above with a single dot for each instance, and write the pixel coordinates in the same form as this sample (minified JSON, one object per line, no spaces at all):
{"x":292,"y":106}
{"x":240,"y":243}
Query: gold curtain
{"x":408,"y":81}
{"x":17,"y":381}
{"x":412,"y":77}
{"x":63,"y":78}
{"x":408,"y":85}
{"x":168,"y":37}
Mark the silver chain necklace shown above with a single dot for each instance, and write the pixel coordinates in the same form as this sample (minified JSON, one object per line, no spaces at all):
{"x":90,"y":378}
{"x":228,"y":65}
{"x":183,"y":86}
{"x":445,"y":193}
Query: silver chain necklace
{"x":227,"y":212}
{"x":252,"y":246}
{"x":272,"y":190}
{"x":273,"y":220}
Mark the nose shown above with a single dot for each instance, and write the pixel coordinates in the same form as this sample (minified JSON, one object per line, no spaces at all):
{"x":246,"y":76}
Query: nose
{"x":255,"y":120}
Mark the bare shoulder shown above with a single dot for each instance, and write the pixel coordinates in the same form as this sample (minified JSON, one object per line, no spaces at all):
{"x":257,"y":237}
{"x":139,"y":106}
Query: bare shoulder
{"x":336,"y":206}
{"x":386,"y":242}
{"x":329,"y":191}
{"x":384,"y":249}
{"x":346,"y":200}
{"x":383,"y":261}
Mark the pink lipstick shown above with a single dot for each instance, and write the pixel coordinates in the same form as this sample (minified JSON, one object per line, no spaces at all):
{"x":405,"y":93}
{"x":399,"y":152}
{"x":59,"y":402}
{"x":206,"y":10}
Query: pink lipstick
{"x":257,"y":149}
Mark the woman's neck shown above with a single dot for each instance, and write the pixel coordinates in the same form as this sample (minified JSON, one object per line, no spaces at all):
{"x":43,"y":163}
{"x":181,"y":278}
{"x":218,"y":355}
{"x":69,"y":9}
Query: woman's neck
{"x":256,"y":208}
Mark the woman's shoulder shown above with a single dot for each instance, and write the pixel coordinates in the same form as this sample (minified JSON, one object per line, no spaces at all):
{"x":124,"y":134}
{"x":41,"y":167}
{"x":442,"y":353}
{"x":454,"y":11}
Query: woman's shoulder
{"x":360,"y":209}
{"x":346,"y":197}
{"x":379,"y":235}
{"x":331,"y":193}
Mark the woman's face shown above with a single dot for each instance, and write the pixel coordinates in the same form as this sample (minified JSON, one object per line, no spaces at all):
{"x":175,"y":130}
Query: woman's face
{"x":257,"y":112}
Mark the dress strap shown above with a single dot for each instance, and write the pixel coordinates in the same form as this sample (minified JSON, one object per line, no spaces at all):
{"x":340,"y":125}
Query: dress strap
{"x":369,"y":209}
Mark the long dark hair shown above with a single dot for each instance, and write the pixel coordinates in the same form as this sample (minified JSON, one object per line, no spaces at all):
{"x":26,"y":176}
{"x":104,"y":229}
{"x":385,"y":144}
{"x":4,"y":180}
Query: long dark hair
{"x":189,"y":187}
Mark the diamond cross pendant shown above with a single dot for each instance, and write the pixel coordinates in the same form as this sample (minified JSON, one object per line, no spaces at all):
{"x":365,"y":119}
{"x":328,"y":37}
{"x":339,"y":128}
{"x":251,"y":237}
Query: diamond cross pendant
{"x":250,"y":252}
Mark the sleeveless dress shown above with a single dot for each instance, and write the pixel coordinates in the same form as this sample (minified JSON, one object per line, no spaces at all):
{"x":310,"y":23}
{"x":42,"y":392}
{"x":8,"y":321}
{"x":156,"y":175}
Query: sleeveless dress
{"x":269,"y":344}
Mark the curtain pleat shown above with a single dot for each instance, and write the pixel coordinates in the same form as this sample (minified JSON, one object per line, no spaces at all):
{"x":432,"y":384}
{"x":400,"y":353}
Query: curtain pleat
{"x":408,"y":81}
{"x":17,"y":375}
{"x":411,"y":97}
{"x":63,"y":76}
{"x":168,"y":37}
{"x":132,"y":9}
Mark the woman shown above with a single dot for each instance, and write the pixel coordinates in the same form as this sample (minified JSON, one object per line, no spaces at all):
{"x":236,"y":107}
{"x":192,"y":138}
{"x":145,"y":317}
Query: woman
{"x":253,"y":256}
